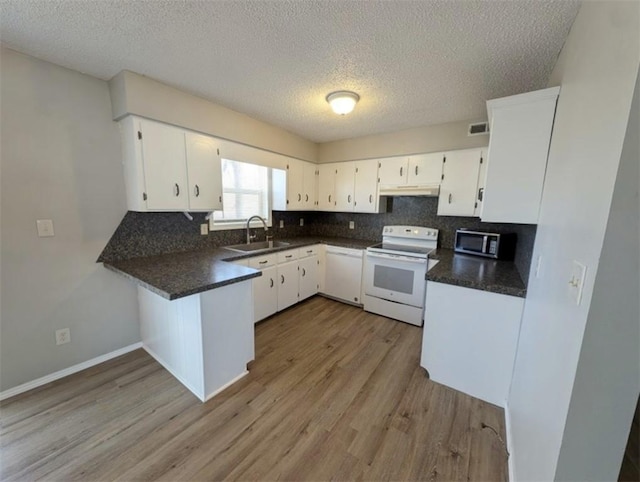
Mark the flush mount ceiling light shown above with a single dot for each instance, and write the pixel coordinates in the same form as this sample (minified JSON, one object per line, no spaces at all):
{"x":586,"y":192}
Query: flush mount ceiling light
{"x":342,"y":102}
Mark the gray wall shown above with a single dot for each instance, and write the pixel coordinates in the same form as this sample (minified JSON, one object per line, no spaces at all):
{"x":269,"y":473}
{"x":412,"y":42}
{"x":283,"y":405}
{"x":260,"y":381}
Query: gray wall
{"x":60,"y":160}
{"x":434,"y":138}
{"x":608,"y":376}
{"x":597,"y":71}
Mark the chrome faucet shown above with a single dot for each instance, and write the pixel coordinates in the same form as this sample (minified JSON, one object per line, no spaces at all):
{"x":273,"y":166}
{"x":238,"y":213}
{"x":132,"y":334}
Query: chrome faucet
{"x":266,"y":228}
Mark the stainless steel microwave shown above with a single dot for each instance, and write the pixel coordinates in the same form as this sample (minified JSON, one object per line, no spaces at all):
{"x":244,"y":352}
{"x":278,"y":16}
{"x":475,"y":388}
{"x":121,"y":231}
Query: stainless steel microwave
{"x":490,"y":245}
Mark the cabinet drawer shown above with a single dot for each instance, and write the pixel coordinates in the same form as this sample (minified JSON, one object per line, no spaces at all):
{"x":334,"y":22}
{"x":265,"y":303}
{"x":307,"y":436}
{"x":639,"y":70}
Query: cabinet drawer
{"x":286,"y":256}
{"x":263,"y":261}
{"x":308,"y":251}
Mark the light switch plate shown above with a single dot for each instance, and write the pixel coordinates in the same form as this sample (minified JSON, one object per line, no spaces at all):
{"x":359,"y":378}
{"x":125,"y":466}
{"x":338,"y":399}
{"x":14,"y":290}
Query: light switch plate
{"x":282,"y":223}
{"x":301,"y":221}
{"x":352,"y":225}
{"x":45,"y":227}
{"x":204,"y":229}
{"x":576,"y":283}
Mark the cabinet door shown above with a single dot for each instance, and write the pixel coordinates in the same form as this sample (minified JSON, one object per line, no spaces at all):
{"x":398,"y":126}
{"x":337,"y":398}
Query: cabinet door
{"x":517,"y":158}
{"x":165,"y":168}
{"x":326,"y":187}
{"x":393,"y":171}
{"x":425,"y":169}
{"x":366,"y":199}
{"x":265,"y":294}
{"x":482,"y":180}
{"x":295,"y":179}
{"x":458,"y":188}
{"x":287,"y":284}
{"x":204,"y":173}
{"x":309,"y":186}
{"x":308,"y":277}
{"x":343,"y":274}
{"x":345,"y":178}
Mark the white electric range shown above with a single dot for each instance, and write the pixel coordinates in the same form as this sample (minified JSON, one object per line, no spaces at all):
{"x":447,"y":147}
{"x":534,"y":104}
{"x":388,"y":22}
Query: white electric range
{"x":395,"y":271}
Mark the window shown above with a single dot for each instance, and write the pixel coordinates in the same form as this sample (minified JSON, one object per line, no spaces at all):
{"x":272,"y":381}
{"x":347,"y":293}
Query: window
{"x":245,"y":193}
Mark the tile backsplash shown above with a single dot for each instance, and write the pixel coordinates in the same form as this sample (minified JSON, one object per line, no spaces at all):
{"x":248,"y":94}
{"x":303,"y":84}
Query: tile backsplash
{"x":148,"y":234}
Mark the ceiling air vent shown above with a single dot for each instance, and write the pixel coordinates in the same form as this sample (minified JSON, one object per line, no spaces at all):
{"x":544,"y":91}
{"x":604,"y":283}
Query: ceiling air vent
{"x":478,"y":129}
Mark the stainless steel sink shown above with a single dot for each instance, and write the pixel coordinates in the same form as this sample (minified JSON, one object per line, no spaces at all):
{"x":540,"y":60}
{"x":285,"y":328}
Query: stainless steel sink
{"x":257,"y":246}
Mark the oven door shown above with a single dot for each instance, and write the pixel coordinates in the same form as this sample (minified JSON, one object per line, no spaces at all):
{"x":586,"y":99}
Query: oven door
{"x":395,"y":278}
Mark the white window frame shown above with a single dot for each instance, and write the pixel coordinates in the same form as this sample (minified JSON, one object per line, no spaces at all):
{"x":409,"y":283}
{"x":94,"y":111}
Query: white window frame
{"x":242,"y":224}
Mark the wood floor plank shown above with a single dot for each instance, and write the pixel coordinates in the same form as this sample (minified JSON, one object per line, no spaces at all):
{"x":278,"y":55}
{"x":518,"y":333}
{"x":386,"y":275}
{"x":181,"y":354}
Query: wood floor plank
{"x":335,"y":393}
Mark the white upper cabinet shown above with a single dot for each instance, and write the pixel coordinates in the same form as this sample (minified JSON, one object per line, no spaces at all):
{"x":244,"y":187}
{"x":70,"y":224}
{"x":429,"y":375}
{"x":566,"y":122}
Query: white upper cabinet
{"x":309,"y":186}
{"x":203,"y":170}
{"x":169,"y":169}
{"x":295,"y":185}
{"x":393,"y":171}
{"x":345,"y":183}
{"x":326,"y":187}
{"x":425,"y":169}
{"x":165,"y":170}
{"x":458,"y":190}
{"x":521,"y":127}
{"x":365,"y":195}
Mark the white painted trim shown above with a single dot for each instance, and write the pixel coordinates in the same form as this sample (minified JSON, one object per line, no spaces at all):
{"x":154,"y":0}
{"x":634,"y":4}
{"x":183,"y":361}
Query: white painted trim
{"x":226,"y":385}
{"x":25,"y":387}
{"x":167,"y":367}
{"x":509,"y":442}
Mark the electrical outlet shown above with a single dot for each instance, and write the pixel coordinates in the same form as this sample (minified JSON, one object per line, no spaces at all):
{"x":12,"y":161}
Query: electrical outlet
{"x":352,"y":225}
{"x":282,"y":223}
{"x":63,"y":335}
{"x":45,"y":227}
{"x":204,"y":228}
{"x":301,"y":221}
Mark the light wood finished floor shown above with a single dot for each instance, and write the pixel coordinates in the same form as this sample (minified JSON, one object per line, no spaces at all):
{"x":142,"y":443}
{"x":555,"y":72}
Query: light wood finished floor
{"x":334,"y":393}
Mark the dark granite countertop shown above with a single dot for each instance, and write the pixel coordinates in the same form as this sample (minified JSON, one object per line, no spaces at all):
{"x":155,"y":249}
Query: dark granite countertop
{"x":476,"y":272}
{"x":175,"y":275}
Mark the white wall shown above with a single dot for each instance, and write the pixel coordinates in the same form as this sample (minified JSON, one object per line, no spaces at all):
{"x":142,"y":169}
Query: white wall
{"x":433,"y":138}
{"x":133,"y":93}
{"x":607,"y":382}
{"x":597,"y":70}
{"x":60,"y":160}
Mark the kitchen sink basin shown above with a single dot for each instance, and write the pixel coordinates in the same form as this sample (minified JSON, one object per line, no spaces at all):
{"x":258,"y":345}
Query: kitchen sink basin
{"x":257,"y":246}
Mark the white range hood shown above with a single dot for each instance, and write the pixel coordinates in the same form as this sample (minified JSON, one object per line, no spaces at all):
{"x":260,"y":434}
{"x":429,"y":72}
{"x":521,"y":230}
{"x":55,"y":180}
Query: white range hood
{"x":432,"y":190}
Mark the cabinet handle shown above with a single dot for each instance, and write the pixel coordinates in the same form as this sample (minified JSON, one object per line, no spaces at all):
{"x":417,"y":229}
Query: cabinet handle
{"x":271,"y":279}
{"x":329,"y":197}
{"x":349,"y":198}
{"x":304,"y":273}
{"x":401,"y":172}
{"x":281,"y":279}
{"x":288,"y":256}
{"x":310,"y":251}
{"x":306,"y":198}
{"x":197,"y":190}
{"x":177,"y":189}
{"x":480,"y":194}
{"x":416,"y":170}
{"x":449,"y":198}
{"x":263,"y":262}
{"x":299,"y":197}
{"x":370,"y":198}
{"x":220,"y":198}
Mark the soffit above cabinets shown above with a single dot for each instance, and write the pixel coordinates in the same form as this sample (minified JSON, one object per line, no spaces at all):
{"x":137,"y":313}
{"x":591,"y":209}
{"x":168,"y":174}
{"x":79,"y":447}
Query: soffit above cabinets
{"x":414,"y":63}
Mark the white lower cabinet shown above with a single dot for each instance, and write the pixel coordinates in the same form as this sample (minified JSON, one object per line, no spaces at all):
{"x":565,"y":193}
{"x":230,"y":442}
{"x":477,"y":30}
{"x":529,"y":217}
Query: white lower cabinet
{"x":470,"y":338}
{"x":265,"y":294}
{"x":343,"y":274}
{"x":307,"y":277}
{"x":287,"y":284}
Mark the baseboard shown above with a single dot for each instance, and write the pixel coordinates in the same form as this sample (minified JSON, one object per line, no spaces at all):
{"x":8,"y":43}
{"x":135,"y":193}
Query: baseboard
{"x":25,"y":387}
{"x":226,"y":385}
{"x":509,"y":442}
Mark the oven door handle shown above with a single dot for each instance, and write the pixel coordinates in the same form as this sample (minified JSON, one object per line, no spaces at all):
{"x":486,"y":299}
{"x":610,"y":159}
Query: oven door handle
{"x":397,"y":257}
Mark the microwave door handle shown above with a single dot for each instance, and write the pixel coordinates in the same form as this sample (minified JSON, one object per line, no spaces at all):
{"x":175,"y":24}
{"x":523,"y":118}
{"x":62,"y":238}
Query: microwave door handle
{"x":485,"y":240}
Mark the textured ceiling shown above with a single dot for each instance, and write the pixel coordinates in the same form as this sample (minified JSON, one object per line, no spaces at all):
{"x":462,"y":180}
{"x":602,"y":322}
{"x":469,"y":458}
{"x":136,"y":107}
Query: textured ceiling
{"x":414,"y":63}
